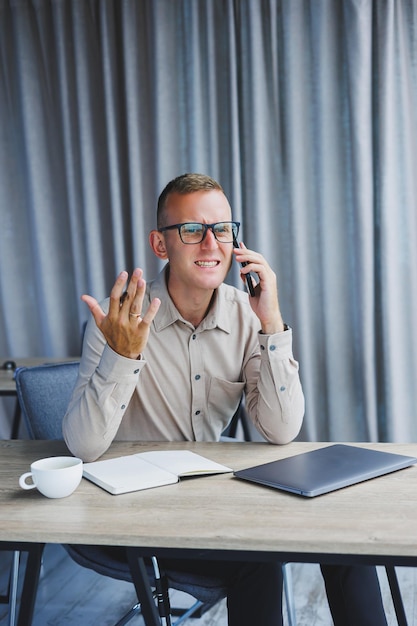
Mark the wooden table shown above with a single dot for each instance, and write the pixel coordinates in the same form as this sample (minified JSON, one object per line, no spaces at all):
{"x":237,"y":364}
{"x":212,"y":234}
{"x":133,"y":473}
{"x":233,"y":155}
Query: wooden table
{"x":219,"y":516}
{"x":8,"y":384}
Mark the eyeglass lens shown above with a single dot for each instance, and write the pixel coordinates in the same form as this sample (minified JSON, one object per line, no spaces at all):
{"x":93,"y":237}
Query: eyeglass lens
{"x":194,"y":233}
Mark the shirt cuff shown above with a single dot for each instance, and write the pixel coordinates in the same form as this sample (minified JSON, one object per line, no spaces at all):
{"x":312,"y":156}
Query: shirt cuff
{"x":114,"y":366}
{"x":278,"y":345}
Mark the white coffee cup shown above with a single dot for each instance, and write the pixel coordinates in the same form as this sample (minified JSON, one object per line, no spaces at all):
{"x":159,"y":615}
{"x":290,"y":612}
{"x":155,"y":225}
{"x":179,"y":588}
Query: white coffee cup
{"x":55,"y":477}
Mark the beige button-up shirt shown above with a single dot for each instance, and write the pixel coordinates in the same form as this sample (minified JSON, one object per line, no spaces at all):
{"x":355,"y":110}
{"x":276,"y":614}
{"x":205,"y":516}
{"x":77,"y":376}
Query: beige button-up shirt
{"x":189,"y":382}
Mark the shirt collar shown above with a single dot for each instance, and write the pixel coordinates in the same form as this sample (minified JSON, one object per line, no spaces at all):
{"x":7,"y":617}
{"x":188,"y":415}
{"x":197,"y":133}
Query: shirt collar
{"x":168,"y":314}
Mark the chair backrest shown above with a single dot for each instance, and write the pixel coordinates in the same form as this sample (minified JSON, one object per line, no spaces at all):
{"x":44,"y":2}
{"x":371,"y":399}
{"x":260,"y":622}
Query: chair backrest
{"x":44,"y":392}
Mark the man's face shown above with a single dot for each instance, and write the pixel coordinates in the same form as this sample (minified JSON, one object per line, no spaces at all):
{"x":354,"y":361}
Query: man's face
{"x":203,"y":265}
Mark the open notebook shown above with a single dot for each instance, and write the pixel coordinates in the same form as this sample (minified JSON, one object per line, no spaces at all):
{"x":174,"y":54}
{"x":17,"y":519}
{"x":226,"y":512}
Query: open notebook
{"x":149,"y":469}
{"x":325,"y":469}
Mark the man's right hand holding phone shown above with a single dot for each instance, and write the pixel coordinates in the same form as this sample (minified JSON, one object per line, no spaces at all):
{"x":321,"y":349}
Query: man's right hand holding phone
{"x":264,"y":302}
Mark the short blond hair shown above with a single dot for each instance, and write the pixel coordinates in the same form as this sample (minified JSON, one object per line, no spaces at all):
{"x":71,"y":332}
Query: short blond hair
{"x":184,"y":184}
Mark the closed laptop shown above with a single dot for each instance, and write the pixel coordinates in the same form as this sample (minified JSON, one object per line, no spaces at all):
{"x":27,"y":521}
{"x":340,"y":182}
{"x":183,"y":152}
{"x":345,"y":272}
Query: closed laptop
{"x":325,"y":469}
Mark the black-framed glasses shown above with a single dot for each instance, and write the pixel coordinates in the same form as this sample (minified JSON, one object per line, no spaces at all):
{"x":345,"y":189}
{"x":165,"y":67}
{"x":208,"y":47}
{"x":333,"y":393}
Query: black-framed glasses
{"x":194,"y":232}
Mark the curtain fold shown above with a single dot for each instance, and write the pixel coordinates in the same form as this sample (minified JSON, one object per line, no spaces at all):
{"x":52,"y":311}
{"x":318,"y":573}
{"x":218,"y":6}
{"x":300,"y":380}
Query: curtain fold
{"x":304,"y":110}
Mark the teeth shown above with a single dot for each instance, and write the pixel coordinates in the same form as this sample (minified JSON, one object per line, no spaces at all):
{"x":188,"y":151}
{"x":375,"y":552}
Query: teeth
{"x":206,"y":263}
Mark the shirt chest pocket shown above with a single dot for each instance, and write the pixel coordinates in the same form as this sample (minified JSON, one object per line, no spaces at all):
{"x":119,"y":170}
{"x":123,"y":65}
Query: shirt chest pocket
{"x":223,"y":399}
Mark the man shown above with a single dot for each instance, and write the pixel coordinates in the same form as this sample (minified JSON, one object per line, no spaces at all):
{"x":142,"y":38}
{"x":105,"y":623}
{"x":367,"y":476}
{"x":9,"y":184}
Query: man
{"x":170,"y":361}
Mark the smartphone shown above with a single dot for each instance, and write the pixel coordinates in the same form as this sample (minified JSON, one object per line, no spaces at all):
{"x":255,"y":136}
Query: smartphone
{"x":248,"y":276}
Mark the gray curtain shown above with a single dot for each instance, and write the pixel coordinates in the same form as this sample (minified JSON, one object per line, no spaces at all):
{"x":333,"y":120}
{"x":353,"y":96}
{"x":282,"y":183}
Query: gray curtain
{"x":305,"y":111}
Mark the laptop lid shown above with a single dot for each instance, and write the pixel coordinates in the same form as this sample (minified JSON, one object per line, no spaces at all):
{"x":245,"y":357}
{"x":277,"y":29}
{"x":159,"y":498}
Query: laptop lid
{"x":325,"y":469}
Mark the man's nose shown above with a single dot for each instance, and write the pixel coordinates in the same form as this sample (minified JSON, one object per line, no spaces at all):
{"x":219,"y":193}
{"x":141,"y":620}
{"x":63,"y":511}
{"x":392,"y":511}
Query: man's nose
{"x":209,"y":240}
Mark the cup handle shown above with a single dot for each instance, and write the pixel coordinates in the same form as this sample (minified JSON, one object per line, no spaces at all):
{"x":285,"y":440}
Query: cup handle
{"x":24,"y":484}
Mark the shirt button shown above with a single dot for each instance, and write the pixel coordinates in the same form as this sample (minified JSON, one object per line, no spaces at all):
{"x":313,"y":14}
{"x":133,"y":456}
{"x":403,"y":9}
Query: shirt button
{"x":262,"y":347}
{"x":197,"y":412}
{"x":123,"y":406}
{"x":272,"y":348}
{"x":197,"y":377}
{"x":282,"y":388}
{"x":194,"y":336}
{"x":136,"y":371}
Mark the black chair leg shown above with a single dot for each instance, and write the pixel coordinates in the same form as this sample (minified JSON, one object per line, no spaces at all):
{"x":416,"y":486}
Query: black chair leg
{"x":162,"y":595}
{"x":135,"y":610}
{"x":396,"y":596}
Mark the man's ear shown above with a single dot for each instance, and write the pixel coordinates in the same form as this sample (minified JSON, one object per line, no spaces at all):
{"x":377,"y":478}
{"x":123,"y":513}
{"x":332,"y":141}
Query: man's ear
{"x":157,"y":243}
